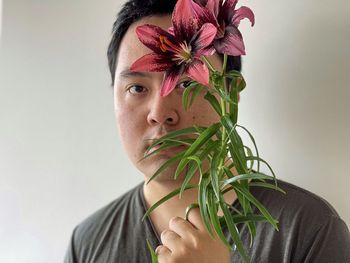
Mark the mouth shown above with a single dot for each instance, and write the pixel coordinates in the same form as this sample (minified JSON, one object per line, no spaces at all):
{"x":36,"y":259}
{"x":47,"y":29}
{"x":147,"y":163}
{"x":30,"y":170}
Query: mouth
{"x":170,"y":150}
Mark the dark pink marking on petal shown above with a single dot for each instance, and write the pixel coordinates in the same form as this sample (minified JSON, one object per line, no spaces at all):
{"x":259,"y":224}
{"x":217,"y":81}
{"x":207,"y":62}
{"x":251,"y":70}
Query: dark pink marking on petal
{"x":201,"y":2}
{"x":227,"y":10}
{"x":188,"y":17}
{"x":204,"y":38}
{"x":149,"y":36}
{"x":199,"y":72}
{"x":151,"y":62}
{"x":213,"y":5}
{"x":171,"y":30}
{"x":230,"y":4}
{"x":232,"y":43}
{"x":241,"y":13}
{"x":205,"y":51}
{"x":171,"y":78}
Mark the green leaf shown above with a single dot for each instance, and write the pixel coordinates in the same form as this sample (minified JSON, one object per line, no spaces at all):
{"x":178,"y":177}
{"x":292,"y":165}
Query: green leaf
{"x":263,"y":161}
{"x":186,"y":93}
{"x":213,"y":212}
{"x":195,"y":93}
{"x":252,"y":199}
{"x":233,"y":74}
{"x":176,"y":133}
{"x":194,"y":166}
{"x":166,"y":165}
{"x":214,"y":175}
{"x":168,"y":144}
{"x":237,"y":149}
{"x":225,"y":96}
{"x":244,"y":177}
{"x":233,"y":231}
{"x":249,"y":153}
{"x":242,"y":85}
{"x":181,"y":166}
{"x":190,"y":175}
{"x":233,"y":107}
{"x":202,"y":139}
{"x":166,"y":198}
{"x":240,"y":219}
{"x":267,"y":185}
{"x":253,"y":140}
{"x":213,"y":102}
{"x":153,"y":254}
{"x":202,"y":201}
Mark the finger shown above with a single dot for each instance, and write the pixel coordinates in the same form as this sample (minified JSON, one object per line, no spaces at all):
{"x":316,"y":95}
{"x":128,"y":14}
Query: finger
{"x":163,"y":254}
{"x":194,"y":217}
{"x":181,"y":226}
{"x":170,"y":239}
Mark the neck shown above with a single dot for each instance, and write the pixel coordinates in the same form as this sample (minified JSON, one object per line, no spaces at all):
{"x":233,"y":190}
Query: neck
{"x":155,"y":190}
{"x":175,"y":206}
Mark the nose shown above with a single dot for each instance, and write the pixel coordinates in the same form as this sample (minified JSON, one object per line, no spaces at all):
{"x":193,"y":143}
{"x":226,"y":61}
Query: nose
{"x":163,"y":110}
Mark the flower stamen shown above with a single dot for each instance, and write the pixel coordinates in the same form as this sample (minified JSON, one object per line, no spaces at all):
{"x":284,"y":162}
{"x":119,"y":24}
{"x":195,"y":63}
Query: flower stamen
{"x":182,"y":52}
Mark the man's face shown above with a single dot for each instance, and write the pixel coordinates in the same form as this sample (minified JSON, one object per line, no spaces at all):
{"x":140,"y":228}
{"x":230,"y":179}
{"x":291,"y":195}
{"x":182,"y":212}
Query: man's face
{"x":142,"y":114}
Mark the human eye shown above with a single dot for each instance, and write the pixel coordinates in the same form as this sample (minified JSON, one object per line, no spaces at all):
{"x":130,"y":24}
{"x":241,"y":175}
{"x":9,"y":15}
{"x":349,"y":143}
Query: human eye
{"x":135,"y":89}
{"x":183,"y":84}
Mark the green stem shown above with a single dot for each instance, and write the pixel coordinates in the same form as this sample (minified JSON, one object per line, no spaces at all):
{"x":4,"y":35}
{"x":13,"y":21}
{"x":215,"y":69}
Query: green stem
{"x":224,"y":65}
{"x":223,"y":112}
{"x":223,"y":138}
{"x":208,"y":63}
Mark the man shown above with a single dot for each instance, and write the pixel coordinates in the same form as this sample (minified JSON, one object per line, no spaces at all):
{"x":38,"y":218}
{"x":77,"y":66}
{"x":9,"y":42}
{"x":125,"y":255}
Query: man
{"x":310,"y":230}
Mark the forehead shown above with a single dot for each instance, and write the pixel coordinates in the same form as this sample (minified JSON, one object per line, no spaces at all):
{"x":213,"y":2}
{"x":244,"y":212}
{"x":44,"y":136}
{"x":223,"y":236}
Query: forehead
{"x":131,"y":48}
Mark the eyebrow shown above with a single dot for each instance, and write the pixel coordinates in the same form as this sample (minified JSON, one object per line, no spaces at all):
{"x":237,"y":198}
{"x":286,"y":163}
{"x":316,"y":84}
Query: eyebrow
{"x":127,"y":73}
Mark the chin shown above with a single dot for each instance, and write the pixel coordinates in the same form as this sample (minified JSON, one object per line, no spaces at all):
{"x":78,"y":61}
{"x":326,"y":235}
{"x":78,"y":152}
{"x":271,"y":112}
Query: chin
{"x":166,"y":176}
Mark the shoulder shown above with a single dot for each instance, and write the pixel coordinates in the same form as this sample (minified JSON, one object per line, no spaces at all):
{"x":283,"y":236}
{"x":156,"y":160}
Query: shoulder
{"x":307,"y":224}
{"x":296,"y":203}
{"x":107,"y":217}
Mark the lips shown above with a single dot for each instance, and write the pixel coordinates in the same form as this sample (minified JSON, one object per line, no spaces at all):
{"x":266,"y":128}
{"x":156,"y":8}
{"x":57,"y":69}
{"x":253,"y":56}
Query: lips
{"x":175,"y":149}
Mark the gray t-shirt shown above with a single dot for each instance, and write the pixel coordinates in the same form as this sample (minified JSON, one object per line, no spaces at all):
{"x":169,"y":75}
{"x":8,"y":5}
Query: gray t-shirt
{"x":310,"y":230}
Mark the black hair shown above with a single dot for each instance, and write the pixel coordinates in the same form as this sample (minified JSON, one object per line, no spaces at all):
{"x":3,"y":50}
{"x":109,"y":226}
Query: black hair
{"x":134,"y":10}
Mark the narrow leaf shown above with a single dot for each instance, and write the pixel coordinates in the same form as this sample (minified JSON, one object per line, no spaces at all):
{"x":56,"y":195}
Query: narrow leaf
{"x":153,"y":254}
{"x":252,"y":199}
{"x":233,"y":231}
{"x":213,"y":102}
{"x":166,"y":198}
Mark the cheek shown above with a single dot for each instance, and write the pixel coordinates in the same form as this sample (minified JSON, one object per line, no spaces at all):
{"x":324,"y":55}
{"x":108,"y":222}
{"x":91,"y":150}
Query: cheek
{"x":131,"y":124}
{"x":202,"y":113}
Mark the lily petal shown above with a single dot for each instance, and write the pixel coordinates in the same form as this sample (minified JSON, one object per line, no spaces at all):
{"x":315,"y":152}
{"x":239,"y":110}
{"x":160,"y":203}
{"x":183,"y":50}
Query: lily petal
{"x":230,"y":4}
{"x":204,"y":38}
{"x":232,"y":43}
{"x":171,"y":78}
{"x":201,"y":2}
{"x":149,"y":36}
{"x":151,"y":62}
{"x":199,"y":72}
{"x":227,"y":10}
{"x":171,"y":30}
{"x":241,"y":13}
{"x":188,"y":17}
{"x":213,"y":5}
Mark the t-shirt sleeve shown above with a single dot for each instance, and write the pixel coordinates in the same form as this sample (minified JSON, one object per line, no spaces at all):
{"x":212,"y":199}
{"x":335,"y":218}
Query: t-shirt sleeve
{"x":331,"y":243}
{"x":70,"y":256}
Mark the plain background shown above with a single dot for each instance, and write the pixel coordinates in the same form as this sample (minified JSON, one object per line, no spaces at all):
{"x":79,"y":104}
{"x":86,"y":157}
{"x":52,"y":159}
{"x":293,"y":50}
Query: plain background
{"x":60,"y":154}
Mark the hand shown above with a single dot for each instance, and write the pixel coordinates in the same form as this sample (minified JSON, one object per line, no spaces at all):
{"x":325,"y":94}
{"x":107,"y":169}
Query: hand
{"x":189,"y":241}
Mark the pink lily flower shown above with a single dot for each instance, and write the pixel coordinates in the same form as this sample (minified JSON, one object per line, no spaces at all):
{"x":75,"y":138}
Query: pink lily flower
{"x":229,"y":39}
{"x":178,"y":50}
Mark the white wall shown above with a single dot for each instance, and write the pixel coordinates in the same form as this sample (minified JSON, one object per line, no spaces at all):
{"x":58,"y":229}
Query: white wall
{"x":60,"y":156}
{"x":0,"y":18}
